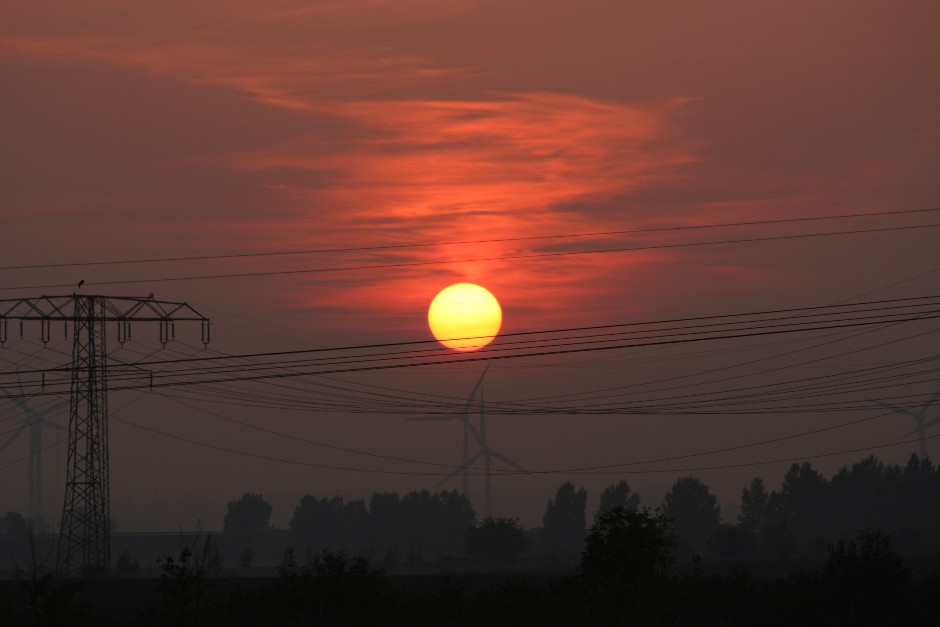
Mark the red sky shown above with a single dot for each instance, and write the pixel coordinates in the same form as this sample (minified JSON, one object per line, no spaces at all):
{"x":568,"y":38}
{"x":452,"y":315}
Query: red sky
{"x":176,"y":129}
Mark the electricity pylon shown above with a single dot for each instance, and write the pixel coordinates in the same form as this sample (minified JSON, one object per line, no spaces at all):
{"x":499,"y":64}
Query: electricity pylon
{"x":85,"y":534}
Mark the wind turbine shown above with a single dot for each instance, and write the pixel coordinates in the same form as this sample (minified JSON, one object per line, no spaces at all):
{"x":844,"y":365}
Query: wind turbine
{"x":920,"y":418}
{"x":485,"y":451}
{"x":464,"y":417}
{"x":35,"y":420}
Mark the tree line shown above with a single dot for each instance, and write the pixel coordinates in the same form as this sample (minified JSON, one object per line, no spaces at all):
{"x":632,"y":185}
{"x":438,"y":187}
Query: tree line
{"x":804,"y":516}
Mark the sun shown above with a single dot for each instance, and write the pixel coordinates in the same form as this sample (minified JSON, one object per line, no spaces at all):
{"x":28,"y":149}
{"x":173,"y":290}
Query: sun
{"x":464,"y":317}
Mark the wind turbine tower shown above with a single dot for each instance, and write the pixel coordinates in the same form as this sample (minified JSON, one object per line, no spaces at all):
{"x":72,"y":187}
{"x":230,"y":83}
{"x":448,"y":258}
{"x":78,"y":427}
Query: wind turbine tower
{"x":468,"y":428}
{"x":36,"y":420}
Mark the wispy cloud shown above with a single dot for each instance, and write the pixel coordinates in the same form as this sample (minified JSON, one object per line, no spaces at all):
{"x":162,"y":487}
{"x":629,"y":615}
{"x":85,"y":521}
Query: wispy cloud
{"x":476,"y":165}
{"x":509,"y":166}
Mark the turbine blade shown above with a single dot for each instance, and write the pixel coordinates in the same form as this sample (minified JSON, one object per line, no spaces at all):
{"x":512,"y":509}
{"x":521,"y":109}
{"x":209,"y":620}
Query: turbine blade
{"x":53,"y":425}
{"x":473,"y":392}
{"x":897,"y":410}
{"x":508,"y":462}
{"x":20,"y":402}
{"x":13,"y":437}
{"x":53,"y":409}
{"x":473,"y":459}
{"x":931,"y":400}
{"x":459,"y":469}
{"x":476,"y":433}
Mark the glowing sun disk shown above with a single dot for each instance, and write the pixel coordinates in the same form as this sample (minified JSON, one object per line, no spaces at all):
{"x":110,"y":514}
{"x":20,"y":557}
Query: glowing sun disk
{"x":464,"y":317}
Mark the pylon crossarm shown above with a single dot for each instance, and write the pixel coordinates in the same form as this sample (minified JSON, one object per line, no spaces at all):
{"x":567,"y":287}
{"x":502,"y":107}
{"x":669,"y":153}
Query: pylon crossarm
{"x":151,"y":310}
{"x":114,"y":308}
{"x":33,"y":309}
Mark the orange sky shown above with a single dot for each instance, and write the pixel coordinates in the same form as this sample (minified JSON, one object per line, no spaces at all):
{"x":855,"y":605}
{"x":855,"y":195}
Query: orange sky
{"x":164,"y":129}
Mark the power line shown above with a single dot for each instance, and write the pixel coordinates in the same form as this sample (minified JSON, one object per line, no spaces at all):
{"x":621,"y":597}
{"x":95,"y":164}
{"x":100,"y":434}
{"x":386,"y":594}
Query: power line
{"x":542,"y":255}
{"x":298,"y":438}
{"x":314,"y":251}
{"x":331,"y":366}
{"x":257,"y":400}
{"x":510,"y":472}
{"x":339,"y":363}
{"x":783,"y":314}
{"x":233,"y":373}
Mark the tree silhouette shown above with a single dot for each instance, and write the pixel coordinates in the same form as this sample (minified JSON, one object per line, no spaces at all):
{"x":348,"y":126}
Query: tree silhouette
{"x":916,"y":504}
{"x":753,"y":506}
{"x":456,"y":513}
{"x":864,"y":578}
{"x":857,"y":497}
{"x":626,"y":549}
{"x":435,"y":523}
{"x":694,"y":512}
{"x":330,"y":523}
{"x":249,"y":513}
{"x":496,"y":540}
{"x":564,"y":520}
{"x":801,"y":508}
{"x":617,"y":495}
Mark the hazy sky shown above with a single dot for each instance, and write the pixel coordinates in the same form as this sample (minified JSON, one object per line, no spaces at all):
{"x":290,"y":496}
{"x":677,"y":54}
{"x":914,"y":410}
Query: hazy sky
{"x":176,"y":129}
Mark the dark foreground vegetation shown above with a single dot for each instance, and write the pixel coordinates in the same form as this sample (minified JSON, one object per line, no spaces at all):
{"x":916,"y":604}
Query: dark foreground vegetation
{"x":860,"y":548}
{"x":625,"y":576}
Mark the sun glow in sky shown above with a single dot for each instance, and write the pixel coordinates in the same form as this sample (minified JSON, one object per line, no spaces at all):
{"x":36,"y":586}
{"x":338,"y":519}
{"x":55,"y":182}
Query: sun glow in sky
{"x":368,"y":152}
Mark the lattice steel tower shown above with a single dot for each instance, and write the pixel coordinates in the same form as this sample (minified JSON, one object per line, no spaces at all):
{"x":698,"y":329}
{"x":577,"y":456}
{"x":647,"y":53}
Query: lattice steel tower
{"x":85,"y":535}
